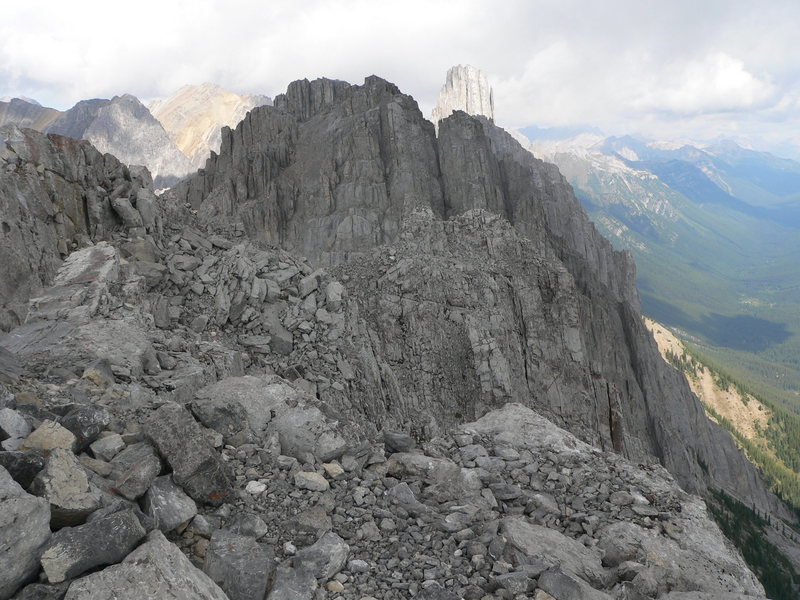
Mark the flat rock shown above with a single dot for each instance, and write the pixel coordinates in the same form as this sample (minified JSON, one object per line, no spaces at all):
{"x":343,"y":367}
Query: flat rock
{"x":134,"y":469}
{"x":107,"y":447}
{"x":65,"y":485}
{"x":50,"y":436}
{"x":397,"y":441}
{"x":293,"y":584}
{"x":562,"y":586}
{"x":308,"y":480}
{"x":167,"y":504}
{"x":24,"y":530}
{"x":239,"y":565}
{"x":325,"y":557}
{"x":74,"y":550}
{"x":196,"y":467}
{"x":537,"y":541}
{"x":157,"y":569}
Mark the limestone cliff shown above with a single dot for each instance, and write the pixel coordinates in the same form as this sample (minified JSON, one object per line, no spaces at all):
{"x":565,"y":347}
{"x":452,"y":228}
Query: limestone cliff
{"x":194,"y":116}
{"x":458,"y":311}
{"x":466,"y":88}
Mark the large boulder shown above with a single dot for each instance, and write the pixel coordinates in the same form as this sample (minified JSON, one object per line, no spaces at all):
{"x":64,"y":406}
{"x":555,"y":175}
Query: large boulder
{"x":550,"y":545}
{"x":157,"y":569}
{"x":24,"y":530}
{"x":196,"y":467}
{"x":74,"y":550}
{"x":134,"y":469}
{"x":239,"y":565}
{"x":167,"y":504}
{"x":65,"y":485}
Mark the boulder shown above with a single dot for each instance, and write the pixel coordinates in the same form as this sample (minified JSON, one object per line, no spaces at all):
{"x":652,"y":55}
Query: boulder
{"x":24,"y":530}
{"x":157,"y":569}
{"x":325,"y":557}
{"x":537,"y":541}
{"x":107,"y":447}
{"x":196,"y":467}
{"x":65,"y":485}
{"x":293,"y":584}
{"x":86,"y":423}
{"x":239,"y":565}
{"x":562,"y":586}
{"x":50,"y":436}
{"x":305,"y":434}
{"x":23,"y":466}
{"x":13,"y":429}
{"x":308,"y":480}
{"x":167,"y":504}
{"x":235,"y":402}
{"x":74,"y":550}
{"x":134,"y":469}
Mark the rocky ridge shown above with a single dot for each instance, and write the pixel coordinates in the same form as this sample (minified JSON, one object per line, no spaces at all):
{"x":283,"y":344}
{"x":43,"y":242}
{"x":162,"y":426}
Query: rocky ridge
{"x":194,"y":116}
{"x":121,"y":126}
{"x":387,"y":427}
{"x":466,"y":88}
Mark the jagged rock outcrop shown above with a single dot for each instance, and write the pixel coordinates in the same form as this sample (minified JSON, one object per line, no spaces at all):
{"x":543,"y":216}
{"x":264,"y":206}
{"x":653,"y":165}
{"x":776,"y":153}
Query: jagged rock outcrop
{"x":590,"y":362}
{"x":466,"y":88}
{"x":121,"y":126}
{"x":195,"y":114}
{"x":190,"y":379}
{"x":58,"y":194}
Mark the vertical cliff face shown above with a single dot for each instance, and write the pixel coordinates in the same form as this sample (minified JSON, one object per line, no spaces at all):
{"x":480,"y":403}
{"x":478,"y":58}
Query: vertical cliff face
{"x":466,"y":88}
{"x":195,"y":114}
{"x":474,"y":276}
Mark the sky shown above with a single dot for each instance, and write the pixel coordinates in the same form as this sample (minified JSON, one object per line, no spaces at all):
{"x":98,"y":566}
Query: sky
{"x":699,"y":69}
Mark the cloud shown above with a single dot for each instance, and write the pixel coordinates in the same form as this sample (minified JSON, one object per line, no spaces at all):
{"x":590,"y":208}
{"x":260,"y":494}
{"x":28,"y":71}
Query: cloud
{"x":623,"y":65}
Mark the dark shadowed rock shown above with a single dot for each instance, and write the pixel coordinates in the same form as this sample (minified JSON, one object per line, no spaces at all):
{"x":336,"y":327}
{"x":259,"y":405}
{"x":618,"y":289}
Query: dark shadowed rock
{"x":86,"y":423}
{"x":74,"y":550}
{"x":134,"y":469}
{"x":196,"y":467}
{"x":157,"y":569}
{"x":23,"y":466}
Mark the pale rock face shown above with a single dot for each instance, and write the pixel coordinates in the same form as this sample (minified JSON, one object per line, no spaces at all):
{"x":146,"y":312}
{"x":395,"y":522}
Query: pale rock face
{"x":195,"y":114}
{"x":467,"y":89}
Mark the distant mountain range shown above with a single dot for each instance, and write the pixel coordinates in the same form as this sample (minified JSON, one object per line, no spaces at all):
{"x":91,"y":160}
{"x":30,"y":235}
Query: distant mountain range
{"x":172,"y":140}
{"x":715,"y":230}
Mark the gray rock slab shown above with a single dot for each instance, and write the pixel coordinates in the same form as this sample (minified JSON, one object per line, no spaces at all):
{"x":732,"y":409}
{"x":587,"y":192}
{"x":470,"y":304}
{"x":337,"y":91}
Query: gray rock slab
{"x":65,"y":485}
{"x":24,"y":530}
{"x":325,"y":557}
{"x":293,"y":584}
{"x":239,"y":565}
{"x":196,"y":466}
{"x":168,"y":504}
{"x":106,"y":448}
{"x":562,"y":586}
{"x":134,"y":469}
{"x":156,"y":569}
{"x":74,"y":550}
{"x":537,"y":541}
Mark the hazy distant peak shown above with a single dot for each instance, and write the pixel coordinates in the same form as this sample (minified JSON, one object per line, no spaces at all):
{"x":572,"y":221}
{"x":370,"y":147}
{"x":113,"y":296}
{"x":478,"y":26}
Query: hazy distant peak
{"x":466,"y":88}
{"x":23,"y":98}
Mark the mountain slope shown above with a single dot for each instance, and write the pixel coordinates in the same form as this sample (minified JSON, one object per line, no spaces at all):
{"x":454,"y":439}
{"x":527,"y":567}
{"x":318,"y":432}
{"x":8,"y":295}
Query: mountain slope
{"x":121,"y":126}
{"x":335,"y":171}
{"x":194,"y":115}
{"x":715,"y":235}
